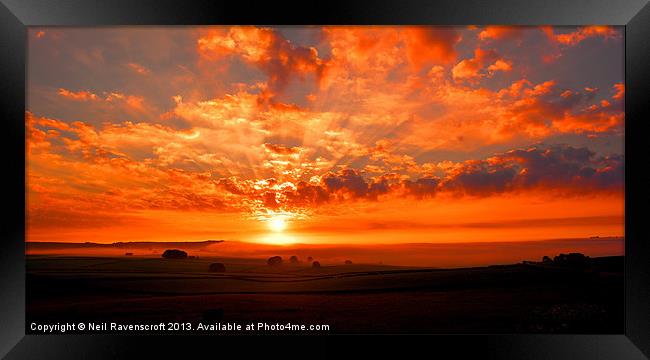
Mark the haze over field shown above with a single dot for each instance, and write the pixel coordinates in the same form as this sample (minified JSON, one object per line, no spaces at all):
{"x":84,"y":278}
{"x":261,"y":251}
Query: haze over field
{"x":424,"y":254}
{"x":433,"y":146}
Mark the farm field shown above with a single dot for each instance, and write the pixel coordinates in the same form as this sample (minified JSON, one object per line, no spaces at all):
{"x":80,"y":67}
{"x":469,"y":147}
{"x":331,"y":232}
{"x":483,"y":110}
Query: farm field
{"x":353,"y":298}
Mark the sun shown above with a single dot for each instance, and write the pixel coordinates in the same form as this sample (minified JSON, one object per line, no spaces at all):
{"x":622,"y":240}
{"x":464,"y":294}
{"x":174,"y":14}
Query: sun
{"x":278,"y":223}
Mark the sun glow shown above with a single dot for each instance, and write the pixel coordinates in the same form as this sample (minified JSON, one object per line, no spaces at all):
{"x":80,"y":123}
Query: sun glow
{"x":278,"y":223}
{"x":277,"y":239}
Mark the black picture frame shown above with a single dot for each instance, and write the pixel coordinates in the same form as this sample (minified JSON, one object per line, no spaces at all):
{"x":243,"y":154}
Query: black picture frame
{"x":17,"y":15}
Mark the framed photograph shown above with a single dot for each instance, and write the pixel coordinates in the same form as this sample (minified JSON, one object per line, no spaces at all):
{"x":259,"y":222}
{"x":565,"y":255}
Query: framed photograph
{"x":283,"y":178}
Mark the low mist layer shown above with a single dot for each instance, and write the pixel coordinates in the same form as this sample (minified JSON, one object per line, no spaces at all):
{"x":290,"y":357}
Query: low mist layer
{"x":420,"y":254}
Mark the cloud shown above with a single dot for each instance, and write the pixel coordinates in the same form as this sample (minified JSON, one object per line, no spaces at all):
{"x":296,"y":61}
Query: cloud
{"x":560,"y":167}
{"x":229,"y":110}
{"x":373,"y":70}
{"x":582,"y":33}
{"x":484,"y":63}
{"x":545,"y":109}
{"x":425,"y":187}
{"x":142,"y":167}
{"x":374,"y":50}
{"x":427,"y":46}
{"x":347,"y":181}
{"x":108,"y":101}
{"x":135,"y":102}
{"x":501,"y":33}
{"x":361,"y":52}
{"x":139,"y":69}
{"x":282,"y":150}
{"x":266,"y":49}
{"x":620,"y":91}
{"x":500,"y":65}
{"x":79,"y":95}
{"x":471,"y":116}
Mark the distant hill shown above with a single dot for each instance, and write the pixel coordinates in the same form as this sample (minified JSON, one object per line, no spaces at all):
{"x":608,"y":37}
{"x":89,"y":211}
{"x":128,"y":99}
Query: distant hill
{"x":45,"y":247}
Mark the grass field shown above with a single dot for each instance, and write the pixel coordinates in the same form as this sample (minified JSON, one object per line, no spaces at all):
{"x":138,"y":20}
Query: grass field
{"x":353,"y":298}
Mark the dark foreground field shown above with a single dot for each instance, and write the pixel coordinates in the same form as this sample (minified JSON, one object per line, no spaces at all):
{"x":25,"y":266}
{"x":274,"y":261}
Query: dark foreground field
{"x":349,"y":298}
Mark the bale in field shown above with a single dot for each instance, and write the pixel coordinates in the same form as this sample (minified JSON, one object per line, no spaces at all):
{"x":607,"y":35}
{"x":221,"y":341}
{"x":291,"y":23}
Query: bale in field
{"x":348,"y":262}
{"x":274,"y":261}
{"x":174,"y":254}
{"x":293,"y":259}
{"x":315,"y":264}
{"x":217,"y":267}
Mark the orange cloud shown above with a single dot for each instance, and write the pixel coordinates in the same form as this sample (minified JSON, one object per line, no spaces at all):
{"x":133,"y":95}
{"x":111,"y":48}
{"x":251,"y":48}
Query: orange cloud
{"x":542,"y":105}
{"x":372,"y":49}
{"x":620,"y":91}
{"x":431,"y":45}
{"x":477,"y":116}
{"x":129,"y":101}
{"x":104,"y":160}
{"x":473,"y":68}
{"x":583,"y":33}
{"x":594,"y":120}
{"x":363,"y":48}
{"x":264,"y":48}
{"x":135,"y":102}
{"x":500,"y":32}
{"x":500,"y":65}
{"x":139,"y":69}
{"x":282,"y":150}
{"x":79,"y":95}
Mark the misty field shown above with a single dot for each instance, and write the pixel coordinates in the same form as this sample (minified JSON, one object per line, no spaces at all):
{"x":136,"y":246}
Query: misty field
{"x":351,"y":298}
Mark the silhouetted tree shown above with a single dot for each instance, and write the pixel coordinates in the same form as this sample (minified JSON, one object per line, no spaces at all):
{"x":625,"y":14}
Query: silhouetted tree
{"x":293,"y":259}
{"x":315,"y":264}
{"x":274,"y":261}
{"x":348,"y":262}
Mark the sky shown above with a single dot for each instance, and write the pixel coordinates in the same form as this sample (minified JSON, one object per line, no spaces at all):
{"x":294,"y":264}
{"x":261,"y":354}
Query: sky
{"x":325,"y":135}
